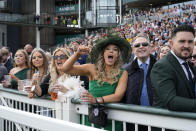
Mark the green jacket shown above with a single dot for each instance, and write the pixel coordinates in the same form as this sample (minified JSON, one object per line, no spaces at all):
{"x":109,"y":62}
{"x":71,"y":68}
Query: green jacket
{"x":171,"y":88}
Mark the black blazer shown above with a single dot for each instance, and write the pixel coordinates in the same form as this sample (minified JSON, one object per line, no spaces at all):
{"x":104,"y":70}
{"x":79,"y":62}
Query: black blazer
{"x":135,"y":82}
{"x":9,"y":64}
{"x":171,"y":88}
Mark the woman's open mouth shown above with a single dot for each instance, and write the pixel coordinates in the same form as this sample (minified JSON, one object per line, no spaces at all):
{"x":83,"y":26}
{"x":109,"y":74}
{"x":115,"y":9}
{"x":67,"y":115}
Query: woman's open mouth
{"x":110,"y":58}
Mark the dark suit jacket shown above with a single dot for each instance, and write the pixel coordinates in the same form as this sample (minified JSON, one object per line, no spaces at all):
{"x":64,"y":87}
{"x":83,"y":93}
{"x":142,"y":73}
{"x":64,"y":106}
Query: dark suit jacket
{"x":9,"y":64}
{"x":135,"y":82}
{"x":171,"y":88}
{"x":3,"y":71}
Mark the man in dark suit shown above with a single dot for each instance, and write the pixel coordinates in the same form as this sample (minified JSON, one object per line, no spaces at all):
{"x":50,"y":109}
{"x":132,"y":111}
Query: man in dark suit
{"x":173,"y":77}
{"x":3,"y":69}
{"x":7,"y":59}
{"x":139,"y":90}
{"x":139,"y":84}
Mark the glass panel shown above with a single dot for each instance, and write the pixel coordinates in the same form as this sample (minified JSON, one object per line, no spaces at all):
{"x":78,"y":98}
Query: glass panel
{"x":106,"y":16}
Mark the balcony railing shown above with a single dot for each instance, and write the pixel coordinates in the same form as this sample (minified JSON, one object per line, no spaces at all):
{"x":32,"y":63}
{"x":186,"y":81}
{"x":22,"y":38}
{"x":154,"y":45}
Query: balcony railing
{"x":71,"y":110}
{"x":44,"y":20}
{"x":48,"y":20}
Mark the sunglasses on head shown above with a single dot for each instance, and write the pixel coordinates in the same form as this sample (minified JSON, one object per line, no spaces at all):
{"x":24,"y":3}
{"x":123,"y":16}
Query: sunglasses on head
{"x":60,"y":57}
{"x":144,"y":44}
{"x":193,"y":56}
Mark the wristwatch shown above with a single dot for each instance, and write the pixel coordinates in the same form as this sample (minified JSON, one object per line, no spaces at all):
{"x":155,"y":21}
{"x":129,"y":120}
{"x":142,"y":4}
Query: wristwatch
{"x":98,"y":99}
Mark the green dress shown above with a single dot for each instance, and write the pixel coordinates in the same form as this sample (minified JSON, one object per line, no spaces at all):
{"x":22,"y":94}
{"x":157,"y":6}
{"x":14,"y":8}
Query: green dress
{"x":99,"y":90}
{"x":20,"y":75}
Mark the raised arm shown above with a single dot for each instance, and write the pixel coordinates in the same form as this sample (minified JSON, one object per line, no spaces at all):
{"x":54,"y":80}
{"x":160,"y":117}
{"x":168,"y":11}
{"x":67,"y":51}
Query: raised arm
{"x":70,"y":68}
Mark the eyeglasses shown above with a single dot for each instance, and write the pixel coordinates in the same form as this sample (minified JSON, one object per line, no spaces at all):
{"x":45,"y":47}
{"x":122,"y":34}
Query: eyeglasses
{"x":60,"y":57}
{"x":137,"y":45}
{"x":193,"y":56}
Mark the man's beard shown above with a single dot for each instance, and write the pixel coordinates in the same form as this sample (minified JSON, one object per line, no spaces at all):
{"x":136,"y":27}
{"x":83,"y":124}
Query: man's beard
{"x":182,"y":57}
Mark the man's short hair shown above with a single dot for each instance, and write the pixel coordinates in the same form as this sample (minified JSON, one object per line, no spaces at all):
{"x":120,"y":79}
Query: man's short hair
{"x":144,"y":35}
{"x":4,"y":51}
{"x":7,"y":48}
{"x":183,"y":28}
{"x":28,"y":45}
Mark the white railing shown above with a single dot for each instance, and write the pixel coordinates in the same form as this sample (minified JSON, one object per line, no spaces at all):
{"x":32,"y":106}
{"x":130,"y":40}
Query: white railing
{"x":39,"y":122}
{"x":147,"y":116}
{"x":19,"y":100}
{"x":70,"y":110}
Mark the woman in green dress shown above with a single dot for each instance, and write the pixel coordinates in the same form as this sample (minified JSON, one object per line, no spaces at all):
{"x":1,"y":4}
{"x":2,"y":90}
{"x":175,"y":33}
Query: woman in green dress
{"x":107,"y":81}
{"x":20,"y":70}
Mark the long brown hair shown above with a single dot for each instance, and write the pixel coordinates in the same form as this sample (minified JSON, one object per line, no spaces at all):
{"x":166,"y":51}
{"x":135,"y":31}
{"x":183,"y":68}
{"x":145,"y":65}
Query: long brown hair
{"x":45,"y":62}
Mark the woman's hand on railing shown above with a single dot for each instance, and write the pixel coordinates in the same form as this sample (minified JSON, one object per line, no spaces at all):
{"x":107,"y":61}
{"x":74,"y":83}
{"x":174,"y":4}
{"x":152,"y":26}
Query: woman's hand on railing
{"x":31,"y":94}
{"x":28,"y":89}
{"x":87,"y":97}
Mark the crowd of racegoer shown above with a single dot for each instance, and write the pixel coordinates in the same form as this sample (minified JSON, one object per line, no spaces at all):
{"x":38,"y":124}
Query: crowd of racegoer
{"x":151,"y":40}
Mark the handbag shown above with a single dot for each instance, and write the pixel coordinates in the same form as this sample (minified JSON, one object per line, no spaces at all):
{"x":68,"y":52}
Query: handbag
{"x":97,"y":114}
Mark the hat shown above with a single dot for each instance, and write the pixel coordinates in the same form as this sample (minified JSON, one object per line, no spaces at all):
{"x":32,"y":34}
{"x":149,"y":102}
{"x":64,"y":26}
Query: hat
{"x":100,"y":45}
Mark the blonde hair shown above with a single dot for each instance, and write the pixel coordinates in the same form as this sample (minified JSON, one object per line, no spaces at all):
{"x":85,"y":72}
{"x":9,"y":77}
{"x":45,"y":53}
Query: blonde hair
{"x":101,"y":69}
{"x":26,"y":58}
{"x":53,"y":70}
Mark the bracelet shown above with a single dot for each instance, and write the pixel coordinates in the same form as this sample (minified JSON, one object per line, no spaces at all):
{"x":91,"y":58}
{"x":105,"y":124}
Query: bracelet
{"x":102,"y":99}
{"x":96,"y":101}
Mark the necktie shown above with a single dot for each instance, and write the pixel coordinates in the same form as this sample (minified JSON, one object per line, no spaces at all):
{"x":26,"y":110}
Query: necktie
{"x":189,"y":75}
{"x":144,"y":97}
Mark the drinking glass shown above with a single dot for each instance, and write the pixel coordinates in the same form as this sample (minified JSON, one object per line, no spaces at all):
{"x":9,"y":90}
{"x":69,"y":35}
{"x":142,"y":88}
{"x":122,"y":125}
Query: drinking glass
{"x":7,"y":79}
{"x":54,"y":94}
{"x":20,"y":85}
{"x":27,"y":83}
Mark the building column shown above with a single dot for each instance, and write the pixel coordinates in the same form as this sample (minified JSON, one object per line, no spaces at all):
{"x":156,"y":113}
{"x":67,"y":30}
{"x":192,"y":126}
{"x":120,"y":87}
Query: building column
{"x":37,"y":29}
{"x":79,"y":14}
{"x":86,"y":33}
{"x":94,"y":4}
{"x":120,"y":5}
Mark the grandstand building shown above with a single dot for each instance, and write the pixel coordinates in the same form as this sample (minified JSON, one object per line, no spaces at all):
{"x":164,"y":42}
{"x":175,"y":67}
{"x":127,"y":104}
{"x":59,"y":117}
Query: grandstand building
{"x":51,"y":23}
{"x":47,"y":23}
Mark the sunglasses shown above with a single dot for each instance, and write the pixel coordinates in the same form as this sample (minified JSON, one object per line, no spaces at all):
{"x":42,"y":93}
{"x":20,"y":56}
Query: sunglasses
{"x":193,"y":56}
{"x":61,"y":57}
{"x":137,"y":45}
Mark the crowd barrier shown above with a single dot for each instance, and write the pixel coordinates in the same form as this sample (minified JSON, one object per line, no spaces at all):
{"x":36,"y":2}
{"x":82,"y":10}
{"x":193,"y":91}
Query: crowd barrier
{"x":37,"y":122}
{"x":72,"y":110}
